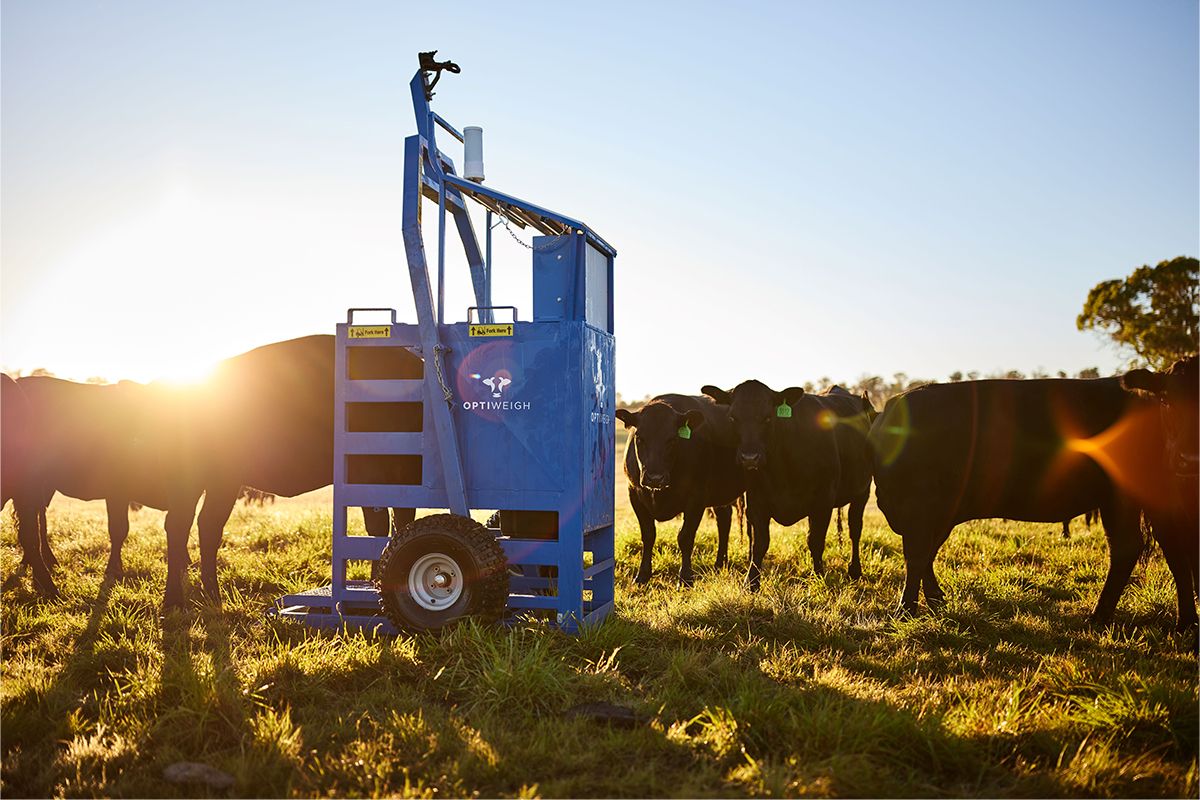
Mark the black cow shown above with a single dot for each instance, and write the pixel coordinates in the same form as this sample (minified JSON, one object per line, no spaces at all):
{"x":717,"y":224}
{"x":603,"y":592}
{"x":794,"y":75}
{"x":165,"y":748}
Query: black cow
{"x":802,"y":455}
{"x":679,"y":460}
{"x":265,"y":420}
{"x":85,"y":441}
{"x":1030,"y":450}
{"x":16,"y":483}
{"x":1178,"y":393}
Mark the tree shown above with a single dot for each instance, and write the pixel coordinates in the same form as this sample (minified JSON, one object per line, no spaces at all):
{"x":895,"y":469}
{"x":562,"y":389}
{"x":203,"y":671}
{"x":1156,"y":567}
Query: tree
{"x":1155,"y":312}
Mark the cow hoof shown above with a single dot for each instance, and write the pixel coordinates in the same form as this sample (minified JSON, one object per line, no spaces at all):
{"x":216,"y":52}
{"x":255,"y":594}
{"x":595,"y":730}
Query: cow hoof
{"x":642,"y":578}
{"x":906,"y":611}
{"x":47,"y":590}
{"x":721,"y":564}
{"x":935,"y":603}
{"x":686,"y":580}
{"x":1099,"y":621}
{"x":115,"y":572}
{"x":855,"y":572}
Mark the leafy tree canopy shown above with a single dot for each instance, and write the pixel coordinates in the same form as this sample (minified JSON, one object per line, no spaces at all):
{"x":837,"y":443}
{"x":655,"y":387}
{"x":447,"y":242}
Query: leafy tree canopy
{"x":1154,"y":312}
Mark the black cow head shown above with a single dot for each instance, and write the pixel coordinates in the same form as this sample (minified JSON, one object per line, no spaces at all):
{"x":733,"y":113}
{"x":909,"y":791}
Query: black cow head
{"x":753,"y":409}
{"x":1178,"y":389}
{"x":661,"y":436}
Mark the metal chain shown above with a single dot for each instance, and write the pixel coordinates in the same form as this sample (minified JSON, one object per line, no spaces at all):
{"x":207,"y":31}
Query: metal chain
{"x":437,"y":367}
{"x":550,"y":245}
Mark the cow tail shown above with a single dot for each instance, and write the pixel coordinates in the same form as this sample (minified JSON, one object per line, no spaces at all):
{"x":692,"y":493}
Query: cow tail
{"x":740,"y":505}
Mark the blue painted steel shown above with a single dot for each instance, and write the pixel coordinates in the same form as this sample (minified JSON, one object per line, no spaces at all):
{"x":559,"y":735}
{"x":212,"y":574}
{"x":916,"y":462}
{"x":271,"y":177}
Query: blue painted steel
{"x":522,"y":422}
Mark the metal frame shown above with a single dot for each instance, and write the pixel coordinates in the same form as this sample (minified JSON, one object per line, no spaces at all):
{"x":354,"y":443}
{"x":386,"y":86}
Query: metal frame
{"x":584,"y":524}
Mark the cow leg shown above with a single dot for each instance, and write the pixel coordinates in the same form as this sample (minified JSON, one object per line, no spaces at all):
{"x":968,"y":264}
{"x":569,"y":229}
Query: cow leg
{"x":760,"y":541}
{"x":1174,"y":547}
{"x":724,"y":515}
{"x":1123,"y":531}
{"x":818,"y":527}
{"x":646,"y":523}
{"x":1066,"y":529}
{"x":118,"y":531}
{"x":935,"y":598}
{"x":375,"y":520}
{"x":29,"y":535}
{"x":856,"y":525}
{"x":687,"y":542}
{"x":178,"y":524}
{"x":218,"y":505}
{"x":916,"y":565}
{"x":44,"y":538}
{"x":402,"y":517}
{"x":839,"y":518}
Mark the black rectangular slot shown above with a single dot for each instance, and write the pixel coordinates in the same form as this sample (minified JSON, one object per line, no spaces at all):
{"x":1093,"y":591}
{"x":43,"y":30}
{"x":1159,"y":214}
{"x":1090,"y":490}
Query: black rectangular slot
{"x":384,"y":417}
{"x":383,"y":364}
{"x":529,"y":524}
{"x":396,"y":470}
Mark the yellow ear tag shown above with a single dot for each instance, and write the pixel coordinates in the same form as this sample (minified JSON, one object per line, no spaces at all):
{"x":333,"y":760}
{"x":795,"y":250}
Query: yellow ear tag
{"x":685,"y":432}
{"x":783,"y":411}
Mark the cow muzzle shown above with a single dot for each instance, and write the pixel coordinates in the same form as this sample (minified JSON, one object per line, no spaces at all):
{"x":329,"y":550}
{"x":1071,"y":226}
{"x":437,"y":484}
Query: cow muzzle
{"x":751,"y":461}
{"x":655,"y":481}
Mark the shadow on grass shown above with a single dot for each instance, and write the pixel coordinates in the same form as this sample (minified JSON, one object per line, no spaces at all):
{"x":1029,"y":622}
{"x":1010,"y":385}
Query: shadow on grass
{"x":33,"y":718}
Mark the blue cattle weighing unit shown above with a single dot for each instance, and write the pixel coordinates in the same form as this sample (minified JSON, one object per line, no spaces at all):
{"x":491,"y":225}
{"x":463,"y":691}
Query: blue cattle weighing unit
{"x":492,"y":413}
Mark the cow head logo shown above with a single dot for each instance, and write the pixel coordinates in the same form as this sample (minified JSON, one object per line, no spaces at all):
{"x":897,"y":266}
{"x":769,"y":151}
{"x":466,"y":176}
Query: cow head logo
{"x":598,"y":376}
{"x":497,"y":384}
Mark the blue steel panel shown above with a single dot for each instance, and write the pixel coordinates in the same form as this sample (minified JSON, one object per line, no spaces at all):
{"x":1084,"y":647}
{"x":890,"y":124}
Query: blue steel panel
{"x":554,"y":268}
{"x":511,"y":405}
{"x":598,"y":430}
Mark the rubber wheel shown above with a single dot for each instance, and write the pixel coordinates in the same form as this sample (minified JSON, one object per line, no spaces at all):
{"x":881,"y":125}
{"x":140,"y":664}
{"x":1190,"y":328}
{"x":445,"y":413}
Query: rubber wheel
{"x":440,"y":569}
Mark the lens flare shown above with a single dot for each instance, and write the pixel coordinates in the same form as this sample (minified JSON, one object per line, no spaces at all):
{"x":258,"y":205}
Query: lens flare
{"x":892,"y":437}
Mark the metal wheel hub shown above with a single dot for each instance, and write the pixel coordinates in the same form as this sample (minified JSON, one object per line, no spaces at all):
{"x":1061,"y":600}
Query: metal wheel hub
{"x":435,"y":581}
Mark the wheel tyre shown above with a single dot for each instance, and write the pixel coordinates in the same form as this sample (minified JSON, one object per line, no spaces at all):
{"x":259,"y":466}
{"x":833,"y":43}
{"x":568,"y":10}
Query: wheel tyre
{"x":441,"y":569}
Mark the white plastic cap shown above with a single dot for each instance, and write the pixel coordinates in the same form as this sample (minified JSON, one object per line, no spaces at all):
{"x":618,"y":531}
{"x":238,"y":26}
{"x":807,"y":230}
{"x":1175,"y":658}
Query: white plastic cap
{"x":473,"y":145}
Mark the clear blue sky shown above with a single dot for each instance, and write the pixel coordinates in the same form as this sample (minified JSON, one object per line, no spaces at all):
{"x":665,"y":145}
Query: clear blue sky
{"x":796,"y":190}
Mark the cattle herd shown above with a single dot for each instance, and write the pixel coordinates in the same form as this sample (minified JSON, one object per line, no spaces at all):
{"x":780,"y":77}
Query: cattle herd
{"x":939,"y":455}
{"x":942,"y":454}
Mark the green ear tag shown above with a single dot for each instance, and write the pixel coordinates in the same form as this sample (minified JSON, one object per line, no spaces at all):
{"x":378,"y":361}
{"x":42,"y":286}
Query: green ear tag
{"x":783,"y":411}
{"x":685,"y":432}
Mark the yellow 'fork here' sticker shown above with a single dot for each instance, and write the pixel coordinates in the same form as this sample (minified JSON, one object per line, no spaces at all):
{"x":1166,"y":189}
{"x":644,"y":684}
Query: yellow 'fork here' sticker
{"x":370,"y":331}
{"x":505,"y":329}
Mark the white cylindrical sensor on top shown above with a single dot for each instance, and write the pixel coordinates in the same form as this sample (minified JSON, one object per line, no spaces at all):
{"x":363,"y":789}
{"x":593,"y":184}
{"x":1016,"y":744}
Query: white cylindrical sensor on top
{"x":473,"y":145}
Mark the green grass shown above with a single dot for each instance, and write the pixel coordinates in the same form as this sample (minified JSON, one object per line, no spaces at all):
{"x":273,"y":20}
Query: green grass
{"x":810,"y":687}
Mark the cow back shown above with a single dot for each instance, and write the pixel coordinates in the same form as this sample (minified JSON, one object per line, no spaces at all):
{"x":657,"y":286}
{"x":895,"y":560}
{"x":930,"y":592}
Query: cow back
{"x":1037,"y":450}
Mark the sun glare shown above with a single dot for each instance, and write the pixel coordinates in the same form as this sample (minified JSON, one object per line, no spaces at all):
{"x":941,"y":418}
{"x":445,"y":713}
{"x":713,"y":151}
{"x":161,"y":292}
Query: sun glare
{"x":187,"y":372}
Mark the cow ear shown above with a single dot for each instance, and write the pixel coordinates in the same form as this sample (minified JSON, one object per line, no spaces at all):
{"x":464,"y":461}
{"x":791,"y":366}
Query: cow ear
{"x":693,"y":419}
{"x":1145,"y":380}
{"x":720,"y":395}
{"x":630,"y":418}
{"x":789,"y":395}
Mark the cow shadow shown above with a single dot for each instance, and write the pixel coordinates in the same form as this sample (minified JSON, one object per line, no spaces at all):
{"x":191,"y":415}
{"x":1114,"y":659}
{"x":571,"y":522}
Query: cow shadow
{"x":34,"y":717}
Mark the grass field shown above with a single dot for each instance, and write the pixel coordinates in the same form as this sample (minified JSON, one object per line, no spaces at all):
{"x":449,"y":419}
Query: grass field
{"x":810,"y":687}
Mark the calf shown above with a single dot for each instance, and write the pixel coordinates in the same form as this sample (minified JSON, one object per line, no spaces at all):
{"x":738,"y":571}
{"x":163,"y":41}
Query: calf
{"x":679,"y":460}
{"x":802,"y":455}
{"x":1029,"y":450}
